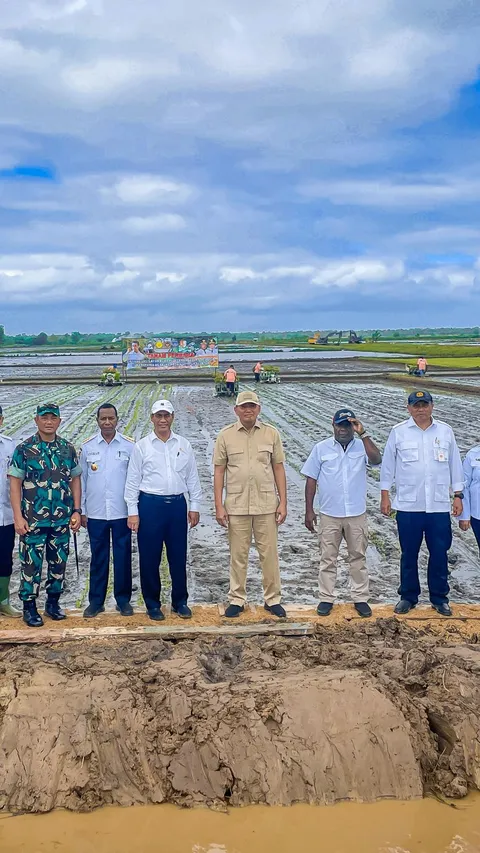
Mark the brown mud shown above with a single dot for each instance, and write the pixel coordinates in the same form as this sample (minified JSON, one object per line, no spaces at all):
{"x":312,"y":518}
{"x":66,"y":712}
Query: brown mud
{"x":359,"y":711}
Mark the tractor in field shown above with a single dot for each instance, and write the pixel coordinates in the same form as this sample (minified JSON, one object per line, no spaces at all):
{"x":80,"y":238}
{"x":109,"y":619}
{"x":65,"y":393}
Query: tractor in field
{"x":110,"y":377}
{"x":220,"y":384}
{"x":270,"y":373}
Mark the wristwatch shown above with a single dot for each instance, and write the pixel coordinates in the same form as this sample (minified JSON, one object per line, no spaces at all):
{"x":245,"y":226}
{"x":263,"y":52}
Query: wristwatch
{"x":76,"y":510}
{"x":459,"y":495}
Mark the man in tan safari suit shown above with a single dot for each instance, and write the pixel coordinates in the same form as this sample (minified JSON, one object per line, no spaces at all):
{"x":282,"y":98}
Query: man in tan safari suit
{"x":250,"y":454}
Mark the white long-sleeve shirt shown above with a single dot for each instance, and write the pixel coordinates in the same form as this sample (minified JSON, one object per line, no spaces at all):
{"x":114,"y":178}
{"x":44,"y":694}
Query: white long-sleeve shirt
{"x":7,"y":446}
{"x":341,"y":477}
{"x":162,"y":468}
{"x":424,"y":465}
{"x":104,"y":471}
{"x":471,"y":470}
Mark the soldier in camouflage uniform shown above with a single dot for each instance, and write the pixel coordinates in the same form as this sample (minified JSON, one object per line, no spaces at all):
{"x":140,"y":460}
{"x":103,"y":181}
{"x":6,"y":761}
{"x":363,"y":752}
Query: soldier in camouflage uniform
{"x":45,"y":491}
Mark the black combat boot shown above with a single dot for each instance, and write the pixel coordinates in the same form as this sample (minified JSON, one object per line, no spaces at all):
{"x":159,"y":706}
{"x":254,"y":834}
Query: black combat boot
{"x":53,"y":609}
{"x":31,"y":616}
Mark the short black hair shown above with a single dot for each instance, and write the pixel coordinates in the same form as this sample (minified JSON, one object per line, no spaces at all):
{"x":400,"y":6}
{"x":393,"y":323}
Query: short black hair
{"x":1,"y":411}
{"x":107,"y":406}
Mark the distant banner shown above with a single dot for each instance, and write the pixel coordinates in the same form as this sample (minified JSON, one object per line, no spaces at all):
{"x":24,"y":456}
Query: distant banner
{"x":170,"y":353}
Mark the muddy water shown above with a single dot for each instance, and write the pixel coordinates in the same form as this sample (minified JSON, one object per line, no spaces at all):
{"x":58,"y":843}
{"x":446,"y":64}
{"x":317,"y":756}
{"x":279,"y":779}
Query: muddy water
{"x":424,"y":826}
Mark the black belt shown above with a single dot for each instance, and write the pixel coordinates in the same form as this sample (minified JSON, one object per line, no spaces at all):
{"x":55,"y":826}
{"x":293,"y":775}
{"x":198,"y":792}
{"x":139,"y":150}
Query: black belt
{"x":163,"y":497}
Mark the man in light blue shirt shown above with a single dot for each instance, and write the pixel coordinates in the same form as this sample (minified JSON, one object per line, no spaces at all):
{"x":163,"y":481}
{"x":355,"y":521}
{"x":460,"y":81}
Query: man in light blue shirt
{"x":470,"y":516}
{"x":337,"y":467}
{"x":104,"y":461}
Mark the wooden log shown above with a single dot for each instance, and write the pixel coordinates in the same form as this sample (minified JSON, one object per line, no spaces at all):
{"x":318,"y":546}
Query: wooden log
{"x":147,"y":632}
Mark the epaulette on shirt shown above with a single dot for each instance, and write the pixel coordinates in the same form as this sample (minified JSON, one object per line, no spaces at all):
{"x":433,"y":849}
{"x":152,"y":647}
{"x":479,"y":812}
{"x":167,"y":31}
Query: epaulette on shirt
{"x":127,"y":437}
{"x":89,"y":439}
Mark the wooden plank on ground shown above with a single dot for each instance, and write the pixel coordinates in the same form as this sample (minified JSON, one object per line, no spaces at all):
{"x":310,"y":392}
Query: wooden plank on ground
{"x":147,"y":632}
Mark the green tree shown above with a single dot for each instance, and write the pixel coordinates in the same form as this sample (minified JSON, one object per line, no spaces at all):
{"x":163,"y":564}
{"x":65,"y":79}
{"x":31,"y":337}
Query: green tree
{"x":75,"y":337}
{"x":40,"y":340}
{"x":2,"y":336}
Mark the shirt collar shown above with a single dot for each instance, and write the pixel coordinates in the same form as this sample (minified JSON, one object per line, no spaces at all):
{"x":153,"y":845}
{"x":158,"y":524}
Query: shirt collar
{"x":335,"y":443}
{"x":411,"y":423}
{"x":100,"y":438}
{"x":153,"y":437}
{"x":240,"y":426}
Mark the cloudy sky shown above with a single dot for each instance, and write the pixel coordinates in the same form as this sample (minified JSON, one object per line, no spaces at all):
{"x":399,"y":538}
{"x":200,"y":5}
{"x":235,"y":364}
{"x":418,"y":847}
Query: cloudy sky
{"x":236,"y":164}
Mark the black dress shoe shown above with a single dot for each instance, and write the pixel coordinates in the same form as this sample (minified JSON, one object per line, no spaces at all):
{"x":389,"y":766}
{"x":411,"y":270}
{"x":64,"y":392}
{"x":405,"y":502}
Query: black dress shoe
{"x":183,"y":611}
{"x":324,"y":608}
{"x":53,"y":610}
{"x":362,"y":608}
{"x":156,"y":615}
{"x":233,"y":610}
{"x":31,"y":616}
{"x":404,"y":606}
{"x":93,"y":610}
{"x":276,"y":610}
{"x":444,"y":609}
{"x":125,"y":609}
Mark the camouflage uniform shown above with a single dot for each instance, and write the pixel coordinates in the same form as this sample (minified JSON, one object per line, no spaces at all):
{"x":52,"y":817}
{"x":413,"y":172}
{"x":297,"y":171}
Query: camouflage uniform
{"x":46,"y":469}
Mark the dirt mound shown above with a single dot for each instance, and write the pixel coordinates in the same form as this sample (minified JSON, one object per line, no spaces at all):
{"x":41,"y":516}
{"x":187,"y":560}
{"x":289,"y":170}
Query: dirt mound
{"x":362,"y":712}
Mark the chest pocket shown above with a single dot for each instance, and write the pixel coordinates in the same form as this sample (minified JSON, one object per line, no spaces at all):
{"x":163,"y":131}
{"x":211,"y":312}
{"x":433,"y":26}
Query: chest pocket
{"x":264,"y":453}
{"x":123,"y":456}
{"x":181,"y":460}
{"x":235,"y":458}
{"x":441,"y":452}
{"x":328,"y":461}
{"x":93,"y":457}
{"x":408,"y":451}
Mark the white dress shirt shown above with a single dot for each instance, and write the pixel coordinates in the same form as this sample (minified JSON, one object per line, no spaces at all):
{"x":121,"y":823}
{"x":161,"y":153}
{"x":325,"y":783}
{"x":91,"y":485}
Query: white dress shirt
{"x":7,"y":446}
{"x":162,"y":468}
{"x":341,"y":477}
{"x":471,"y":470}
{"x":104,"y":471}
{"x":424,"y":465}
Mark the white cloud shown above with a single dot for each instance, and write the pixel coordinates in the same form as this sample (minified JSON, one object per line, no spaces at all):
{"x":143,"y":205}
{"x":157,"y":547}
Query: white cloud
{"x":429,"y":193}
{"x":151,"y":224}
{"x":151,"y":190}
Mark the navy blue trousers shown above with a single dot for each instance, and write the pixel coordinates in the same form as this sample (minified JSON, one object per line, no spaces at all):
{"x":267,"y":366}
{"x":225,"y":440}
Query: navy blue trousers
{"x":437,"y":529}
{"x":475,"y":522}
{"x":163,"y":520}
{"x":7,"y":541}
{"x":99,"y":532}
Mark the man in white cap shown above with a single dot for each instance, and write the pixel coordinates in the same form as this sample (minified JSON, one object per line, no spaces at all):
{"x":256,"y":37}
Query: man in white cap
{"x":161,"y":472}
{"x":249,"y":461}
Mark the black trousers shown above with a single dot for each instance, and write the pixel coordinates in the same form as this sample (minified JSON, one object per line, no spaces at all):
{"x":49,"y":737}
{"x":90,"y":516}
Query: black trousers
{"x":7,"y":542}
{"x":163,"y":520}
{"x":99,"y":532}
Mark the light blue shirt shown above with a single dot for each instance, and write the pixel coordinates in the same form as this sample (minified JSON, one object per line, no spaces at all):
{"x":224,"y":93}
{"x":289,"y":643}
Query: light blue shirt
{"x":341,"y":477}
{"x":104,"y":471}
{"x":7,"y":446}
{"x":471,"y":469}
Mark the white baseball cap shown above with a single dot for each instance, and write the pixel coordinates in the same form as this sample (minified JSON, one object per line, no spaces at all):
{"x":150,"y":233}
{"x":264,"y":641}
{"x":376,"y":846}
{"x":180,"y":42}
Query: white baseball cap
{"x":162,"y":406}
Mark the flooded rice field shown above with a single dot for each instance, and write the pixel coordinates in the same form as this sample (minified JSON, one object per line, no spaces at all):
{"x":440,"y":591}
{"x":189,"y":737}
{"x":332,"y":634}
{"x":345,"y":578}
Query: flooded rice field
{"x":302,"y":412}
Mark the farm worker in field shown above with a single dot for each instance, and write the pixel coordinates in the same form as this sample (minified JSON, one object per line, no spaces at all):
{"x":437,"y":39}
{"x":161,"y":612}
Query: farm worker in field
{"x":249,"y":462}
{"x":7,"y":528}
{"x":257,"y":371}
{"x":230,"y":377}
{"x":421,"y":457}
{"x":337,"y":469}
{"x":104,"y":461}
{"x":161,"y":472}
{"x":470,"y":516}
{"x":45,"y":492}
{"x":422,"y":365}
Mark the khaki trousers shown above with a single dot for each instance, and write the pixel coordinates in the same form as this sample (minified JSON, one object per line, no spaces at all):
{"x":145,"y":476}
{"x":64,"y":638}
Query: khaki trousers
{"x":355,"y":532}
{"x":265,"y":532}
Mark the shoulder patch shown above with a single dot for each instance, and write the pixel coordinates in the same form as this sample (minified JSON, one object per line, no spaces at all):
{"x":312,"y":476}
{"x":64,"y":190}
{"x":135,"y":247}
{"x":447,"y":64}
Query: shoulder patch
{"x":88,"y":439}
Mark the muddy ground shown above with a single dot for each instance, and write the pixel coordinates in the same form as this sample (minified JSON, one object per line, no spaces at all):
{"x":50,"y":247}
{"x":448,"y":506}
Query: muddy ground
{"x":357,"y":712}
{"x":302,"y":412}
